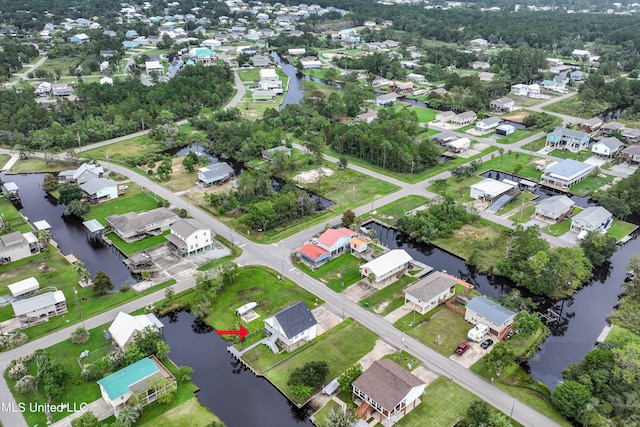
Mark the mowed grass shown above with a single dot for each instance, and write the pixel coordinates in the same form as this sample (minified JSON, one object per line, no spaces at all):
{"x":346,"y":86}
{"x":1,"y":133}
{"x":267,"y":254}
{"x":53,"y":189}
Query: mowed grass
{"x":620,"y":229}
{"x":129,"y":148}
{"x":139,"y":245}
{"x":249,"y":75}
{"x":580,"y":156}
{"x":390,"y":212}
{"x":591,"y":184}
{"x":320,"y":416}
{"x":425,"y":115}
{"x":389,"y":298}
{"x":134,"y":200}
{"x":461,"y":190}
{"x":338,"y":274}
{"x":510,"y":160}
{"x":187,"y":412}
{"x":11,"y":216}
{"x":340,"y":347}
{"x":516,"y":136}
{"x":563,"y":226}
{"x":262,"y":286}
{"x":40,"y":166}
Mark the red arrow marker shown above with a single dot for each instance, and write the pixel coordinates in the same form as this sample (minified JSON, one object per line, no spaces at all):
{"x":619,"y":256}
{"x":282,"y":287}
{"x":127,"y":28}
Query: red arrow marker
{"x":242,"y":332}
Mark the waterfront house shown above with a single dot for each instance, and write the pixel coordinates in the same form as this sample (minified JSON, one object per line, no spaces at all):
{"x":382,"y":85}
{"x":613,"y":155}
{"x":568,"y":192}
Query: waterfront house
{"x":16,"y":245}
{"x":569,"y":139}
{"x":100,"y":190}
{"x":132,"y":226}
{"x":387,"y":392}
{"x":386,"y":99}
{"x":445,"y":116}
{"x":269,"y":80}
{"x":335,"y":240}
{"x":310,"y":63}
{"x":592,"y":125}
{"x":297,"y":51}
{"x":86,"y":172}
{"x":291,"y":327}
{"x":505,"y":130}
{"x":263,"y":95}
{"x":269,"y":154}
{"x":502,"y":105}
{"x":215,"y":174}
{"x":465,"y":118}
{"x":260,"y":61}
{"x":444,"y":137}
{"x":566,"y":173}
{"x":24,"y":287}
{"x":359,"y":244}
{"x":388,"y":267}
{"x":313,"y":254}
{"x":488,"y":124}
{"x":39,"y":308}
{"x":591,"y":219}
{"x":430,"y":291}
{"x":125,"y":328}
{"x":608,"y":128}
{"x":554,"y":209}
{"x":488,"y":312}
{"x":489,"y":189}
{"x":631,"y":153}
{"x":140,"y":382}
{"x":608,"y":147}
{"x":189,"y":236}
{"x":631,"y":135}
{"x":10,"y":189}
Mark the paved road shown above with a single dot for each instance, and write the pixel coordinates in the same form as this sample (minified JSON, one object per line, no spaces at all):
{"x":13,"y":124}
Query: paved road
{"x":24,"y":76}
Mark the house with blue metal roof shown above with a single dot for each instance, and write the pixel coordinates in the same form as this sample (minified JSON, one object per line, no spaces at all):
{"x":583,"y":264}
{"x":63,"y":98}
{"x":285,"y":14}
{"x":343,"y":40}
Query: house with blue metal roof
{"x":483,"y":310}
{"x":566,"y":173}
{"x":140,"y":382}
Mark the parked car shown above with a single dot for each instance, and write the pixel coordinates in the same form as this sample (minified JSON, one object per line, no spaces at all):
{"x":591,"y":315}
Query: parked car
{"x":487,"y":343}
{"x":511,"y":333}
{"x":462,"y":348}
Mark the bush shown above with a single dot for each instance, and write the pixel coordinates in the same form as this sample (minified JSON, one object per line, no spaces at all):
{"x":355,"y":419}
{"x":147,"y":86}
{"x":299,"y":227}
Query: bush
{"x":7,"y":342}
{"x":17,"y":370}
{"x":80,"y":336}
{"x":86,"y":420}
{"x":312,"y":374}
{"x":26,"y":384}
{"x":124,"y":288}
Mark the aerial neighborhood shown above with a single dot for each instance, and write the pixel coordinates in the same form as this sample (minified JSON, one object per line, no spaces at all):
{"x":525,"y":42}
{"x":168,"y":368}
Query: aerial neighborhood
{"x":396,"y":213}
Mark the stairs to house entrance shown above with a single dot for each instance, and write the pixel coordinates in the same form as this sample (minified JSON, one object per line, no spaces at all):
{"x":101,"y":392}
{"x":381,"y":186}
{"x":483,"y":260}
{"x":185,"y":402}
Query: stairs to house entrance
{"x":363,"y":409}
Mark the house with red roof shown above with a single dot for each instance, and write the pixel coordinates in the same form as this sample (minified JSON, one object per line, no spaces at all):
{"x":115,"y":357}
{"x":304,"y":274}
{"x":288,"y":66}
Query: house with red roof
{"x":331,"y":243}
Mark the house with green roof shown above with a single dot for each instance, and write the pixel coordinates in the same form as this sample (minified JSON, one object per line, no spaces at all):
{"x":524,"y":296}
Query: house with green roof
{"x":140,"y":382}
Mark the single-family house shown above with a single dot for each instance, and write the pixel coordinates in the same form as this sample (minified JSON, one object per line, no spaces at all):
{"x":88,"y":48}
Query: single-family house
{"x":403,"y":87}
{"x":313,"y":254}
{"x":430,"y":291}
{"x":263,"y":95}
{"x":297,"y":51}
{"x":39,"y":308}
{"x":630,"y":135}
{"x":416,"y":78}
{"x":610,"y":127}
{"x":489,"y":189}
{"x":269,"y":80}
{"x":591,"y":219}
{"x":554,"y":209}
{"x":43,"y":89}
{"x":566,"y":173}
{"x":86,"y":172}
{"x":577,"y":75}
{"x":609,"y":147}
{"x":553,"y":86}
{"x":459,"y":145}
{"x":269,"y":154}
{"x":502,"y":105}
{"x":335,"y":240}
{"x":24,"y":287}
{"x":310,"y":63}
{"x":359,"y":244}
{"x":291,"y":327}
{"x":136,"y":383}
{"x":631,"y":153}
{"x":479,"y":42}
{"x":520,"y":90}
{"x":141,"y":41}
{"x":260,"y":61}
{"x":368,"y":117}
{"x":488,"y":312}
{"x":215,"y":174}
{"x":211,"y":44}
{"x":591,"y":125}
{"x":79,"y":39}
{"x":100,"y":190}
{"x":388,"y":267}
{"x":569,"y":139}
{"x":486,"y":76}
{"x":387,"y":392}
{"x":443,"y":138}
{"x":445,"y":116}
{"x":202,"y":55}
{"x":554,"y":62}
{"x":465,"y":118}
{"x":505,"y":130}
{"x":391,"y":44}
{"x":132,"y":226}
{"x":488,"y":124}
{"x":16,"y":245}
{"x":480,"y":65}
{"x":125,"y":328}
{"x":386,"y":99}
{"x":189,"y":236}
{"x":154,"y":67}
{"x":131,"y":34}
{"x":581,"y":54}
{"x":61,"y":89}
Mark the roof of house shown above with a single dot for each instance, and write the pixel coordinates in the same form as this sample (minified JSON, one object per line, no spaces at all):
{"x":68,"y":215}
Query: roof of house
{"x":556,"y":204}
{"x":612,"y":143}
{"x":443,"y":136}
{"x":312,"y":251}
{"x":459,"y":143}
{"x":490,"y":309}
{"x":561,"y":132}
{"x":466,"y":115}
{"x":359,"y":240}
{"x":97,"y":184}
{"x":502,"y":101}
{"x":37,"y":302}
{"x":117,"y":384}
{"x":431,"y":286}
{"x":134,"y":220}
{"x":446,"y":114}
{"x":12,"y":238}
{"x":274,"y":150}
{"x":632,"y":149}
{"x":125,"y":325}
{"x":568,"y":168}
{"x":187,"y":226}
{"x":387,"y":96}
{"x":23,"y":286}
{"x":630,"y":132}
{"x":594,"y":215}
{"x":387,"y":383}
{"x":216,"y":171}
{"x":10,"y":186}
{"x":613,"y":126}
{"x":492,"y":186}
{"x":592,"y":122}
{"x":490,"y":121}
{"x":331,"y":236}
{"x":295,"y":319}
{"x":387,"y":262}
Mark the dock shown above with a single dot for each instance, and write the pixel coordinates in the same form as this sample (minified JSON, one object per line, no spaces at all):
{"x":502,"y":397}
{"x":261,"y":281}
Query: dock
{"x":603,"y":335}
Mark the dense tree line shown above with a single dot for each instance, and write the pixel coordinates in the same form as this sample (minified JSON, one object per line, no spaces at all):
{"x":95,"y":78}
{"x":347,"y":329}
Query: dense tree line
{"x":13,"y":55}
{"x":378,"y":64}
{"x":439,"y":220}
{"x":623,"y":198}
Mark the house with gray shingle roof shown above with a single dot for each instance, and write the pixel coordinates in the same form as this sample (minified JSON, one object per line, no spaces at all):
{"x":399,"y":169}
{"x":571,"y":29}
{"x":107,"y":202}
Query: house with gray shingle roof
{"x":292,"y":327}
{"x":592,"y":219}
{"x":133,"y":226}
{"x":608,"y":147}
{"x":100,"y":190}
{"x":569,"y":139}
{"x":429,"y":291}
{"x":555,"y":208}
{"x":631,"y":153}
{"x":215,"y":174}
{"x":465,"y":118}
{"x":189,"y":236}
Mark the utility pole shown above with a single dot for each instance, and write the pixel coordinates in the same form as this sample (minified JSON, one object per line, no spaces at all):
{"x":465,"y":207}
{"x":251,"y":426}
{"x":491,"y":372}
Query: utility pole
{"x":75,"y":291}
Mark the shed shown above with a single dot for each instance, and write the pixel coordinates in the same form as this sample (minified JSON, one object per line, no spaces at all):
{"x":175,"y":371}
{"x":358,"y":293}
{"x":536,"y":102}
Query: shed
{"x":24,"y":286}
{"x":42,"y":225}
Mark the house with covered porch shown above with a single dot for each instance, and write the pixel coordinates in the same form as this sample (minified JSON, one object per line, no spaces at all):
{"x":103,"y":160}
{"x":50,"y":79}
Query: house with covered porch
{"x":292,"y":327}
{"x":189,"y":237}
{"x":609,"y":147}
{"x":569,"y":139}
{"x":428,"y":292}
{"x":554,"y":209}
{"x":133,"y":226}
{"x":387,"y":267}
{"x":566,"y":173}
{"x":486,"y":311}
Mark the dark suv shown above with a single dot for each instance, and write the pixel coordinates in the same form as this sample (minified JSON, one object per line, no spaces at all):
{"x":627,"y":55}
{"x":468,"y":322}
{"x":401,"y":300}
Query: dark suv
{"x":462,"y":348}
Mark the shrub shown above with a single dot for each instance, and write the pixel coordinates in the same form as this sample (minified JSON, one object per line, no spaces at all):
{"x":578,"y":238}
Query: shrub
{"x":312,"y":374}
{"x":17,"y":370}
{"x":80,"y":336}
{"x":26,"y":384}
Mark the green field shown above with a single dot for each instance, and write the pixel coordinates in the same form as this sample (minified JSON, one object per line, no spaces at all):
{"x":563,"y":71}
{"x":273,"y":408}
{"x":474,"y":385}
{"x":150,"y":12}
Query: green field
{"x":390,"y":212}
{"x":581,"y":156}
{"x":518,"y":135}
{"x":123,"y":150}
{"x":573,"y":106}
{"x":508,"y":163}
{"x":441,"y":329}
{"x":388,"y":298}
{"x":139,"y":245}
{"x":338,"y":274}
{"x":134,"y":200}
{"x":12,"y":217}
{"x":34,"y":165}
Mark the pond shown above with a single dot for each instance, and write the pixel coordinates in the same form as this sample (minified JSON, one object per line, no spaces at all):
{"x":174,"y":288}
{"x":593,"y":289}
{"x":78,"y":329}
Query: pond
{"x":227,"y":387}
{"x":582,"y":316}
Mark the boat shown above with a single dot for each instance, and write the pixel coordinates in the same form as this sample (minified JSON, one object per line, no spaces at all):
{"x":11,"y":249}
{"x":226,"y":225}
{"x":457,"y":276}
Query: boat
{"x":241,"y":311}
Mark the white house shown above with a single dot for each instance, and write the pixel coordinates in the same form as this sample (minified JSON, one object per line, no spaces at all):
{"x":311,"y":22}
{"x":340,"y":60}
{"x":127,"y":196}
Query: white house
{"x":133,"y":226}
{"x":631,"y":154}
{"x":488,"y":312}
{"x":386,"y":99}
{"x":86,"y":172}
{"x":359,"y":244}
{"x":100,"y":190}
{"x":189,"y":236}
{"x":459,"y":145}
{"x":39,"y":308}
{"x":416,"y":78}
{"x":502,"y":105}
{"x":445,"y":116}
{"x":43,"y":89}
{"x":24,"y":287}
{"x":566,"y":173}
{"x":386,"y":266}
{"x":291,"y":327}
{"x":608,"y":147}
{"x":465,"y":118}
{"x":555,"y":208}
{"x":488,"y":124}
{"x":428,"y":292}
{"x":297,"y":51}
{"x":387,"y":392}
{"x":592,"y":219}
{"x":125,"y":328}
{"x":16,"y":245}
{"x":489,"y":189}
{"x":106,"y":80}
{"x":310,"y":63}
{"x":269,"y":80}
{"x":215,"y":174}
{"x":154,"y":67}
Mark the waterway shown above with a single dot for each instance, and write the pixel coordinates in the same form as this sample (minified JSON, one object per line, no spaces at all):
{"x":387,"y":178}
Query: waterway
{"x":227,"y":388}
{"x":68,"y":231}
{"x":582,"y":316}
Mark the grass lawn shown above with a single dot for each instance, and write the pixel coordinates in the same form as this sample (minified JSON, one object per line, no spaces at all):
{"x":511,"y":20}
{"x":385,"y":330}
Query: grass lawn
{"x":389,"y":213}
{"x":563,"y":226}
{"x":190,"y":413}
{"x":404,"y":359}
{"x":39,"y":166}
{"x":591,"y":184}
{"x":320,"y":416}
{"x":249,"y":75}
{"x":340,"y":347}
{"x":389,"y":298}
{"x":129,"y":148}
{"x":516,"y":136}
{"x":134,"y":200}
{"x":508,"y":164}
{"x":522,"y":200}
{"x":256,"y":284}
{"x":425,"y":115}
{"x":181,"y":179}
{"x":441,"y":329}
{"x":11,"y":216}
{"x":521,"y":216}
{"x":536,"y":145}
{"x":137,"y":246}
{"x":619,"y":229}
{"x":580,"y":156}
{"x":62,"y":63}
{"x":573,"y":106}
{"x":4,"y":158}
{"x":459,"y":189}
{"x":338,"y":274}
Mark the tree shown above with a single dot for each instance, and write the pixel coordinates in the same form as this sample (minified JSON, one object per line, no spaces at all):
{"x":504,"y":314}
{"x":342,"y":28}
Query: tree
{"x":189,"y":161}
{"x":49,"y":183}
{"x":102,"y":283}
{"x":598,"y":247}
{"x":348,"y":218}
{"x":478,"y":413}
{"x":69,"y":192}
{"x":169,"y":293}
{"x":342,"y":162}
{"x":78,"y":208}
{"x":88,"y":419}
{"x":44,"y":237}
{"x":349,"y":376}
{"x":312,"y":374}
{"x":26,"y":384}
{"x":185,"y":373}
{"x":570,"y":398}
{"x":165,"y":168}
{"x":500,"y":357}
{"x":338,"y":418}
{"x":301,"y":392}
{"x":526,"y":323}
{"x":128,"y":416}
{"x":80,"y":336}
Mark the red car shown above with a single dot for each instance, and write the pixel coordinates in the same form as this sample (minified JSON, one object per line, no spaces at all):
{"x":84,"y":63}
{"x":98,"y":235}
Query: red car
{"x":462,"y":348}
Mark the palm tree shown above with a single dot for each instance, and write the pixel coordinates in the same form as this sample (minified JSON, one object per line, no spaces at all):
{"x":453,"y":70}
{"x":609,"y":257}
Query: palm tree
{"x":501,"y":152}
{"x":44,"y":237}
{"x":128,"y":416}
